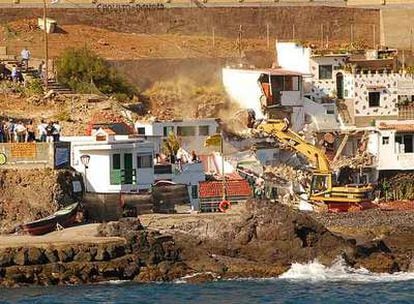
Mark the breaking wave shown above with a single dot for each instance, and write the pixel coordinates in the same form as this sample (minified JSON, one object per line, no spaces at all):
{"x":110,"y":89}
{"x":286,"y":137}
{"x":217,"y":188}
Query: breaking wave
{"x":339,"y":271}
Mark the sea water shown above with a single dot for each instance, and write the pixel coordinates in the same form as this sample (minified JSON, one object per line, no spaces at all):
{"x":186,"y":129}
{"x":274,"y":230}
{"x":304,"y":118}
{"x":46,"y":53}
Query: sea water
{"x":303,"y":283}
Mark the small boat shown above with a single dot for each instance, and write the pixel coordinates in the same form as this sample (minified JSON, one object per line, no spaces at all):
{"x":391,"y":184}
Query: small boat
{"x":64,"y":217}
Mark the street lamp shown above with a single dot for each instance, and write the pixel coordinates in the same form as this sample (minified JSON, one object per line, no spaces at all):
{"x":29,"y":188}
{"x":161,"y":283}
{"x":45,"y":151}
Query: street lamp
{"x":85,"y":162}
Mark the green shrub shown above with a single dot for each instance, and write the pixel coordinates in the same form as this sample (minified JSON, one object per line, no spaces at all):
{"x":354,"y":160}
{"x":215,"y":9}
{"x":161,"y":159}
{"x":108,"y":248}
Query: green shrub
{"x":86,"y":72}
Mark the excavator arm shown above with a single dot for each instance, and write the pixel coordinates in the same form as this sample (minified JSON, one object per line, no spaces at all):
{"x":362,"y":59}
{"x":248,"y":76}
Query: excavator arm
{"x":279,"y":129}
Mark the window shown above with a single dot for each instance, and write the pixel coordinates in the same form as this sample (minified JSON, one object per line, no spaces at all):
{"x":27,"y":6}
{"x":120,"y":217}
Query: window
{"x":186,"y":131}
{"x":194,"y":191}
{"x":407,"y":141}
{"x":141,"y":131}
{"x":168,"y":130}
{"x":330,"y":109}
{"x":116,"y":161}
{"x":325,"y":71}
{"x":144,"y":161}
{"x":291,"y":83}
{"x":203,"y":130}
{"x":385,"y":140}
{"x":374,"y":99}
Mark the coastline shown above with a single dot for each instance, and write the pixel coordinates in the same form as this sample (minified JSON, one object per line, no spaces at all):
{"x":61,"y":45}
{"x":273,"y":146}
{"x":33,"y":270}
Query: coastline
{"x":258,"y":240}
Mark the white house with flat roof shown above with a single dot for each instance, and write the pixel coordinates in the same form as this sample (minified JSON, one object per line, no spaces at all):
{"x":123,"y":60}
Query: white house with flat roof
{"x":117,"y":163}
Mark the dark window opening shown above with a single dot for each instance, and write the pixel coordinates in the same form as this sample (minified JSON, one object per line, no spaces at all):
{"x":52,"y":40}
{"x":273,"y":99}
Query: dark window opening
{"x":203,"y":130}
{"x":325,"y":71}
{"x":144,"y":161}
{"x":167,"y":131}
{"x":116,"y":161}
{"x":141,"y":131}
{"x":374,"y":99}
{"x":186,"y":131}
{"x":385,"y":140}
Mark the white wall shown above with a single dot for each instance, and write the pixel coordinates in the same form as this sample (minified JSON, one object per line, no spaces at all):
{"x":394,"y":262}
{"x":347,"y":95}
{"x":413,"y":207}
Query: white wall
{"x":391,"y":85}
{"x":324,"y":87}
{"x":243,"y":88}
{"x":389,"y":157}
{"x":291,"y":98}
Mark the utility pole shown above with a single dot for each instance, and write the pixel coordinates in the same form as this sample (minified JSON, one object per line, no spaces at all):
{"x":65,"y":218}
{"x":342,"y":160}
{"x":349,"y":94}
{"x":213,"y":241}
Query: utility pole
{"x":411,"y":41}
{"x":46,"y":45}
{"x":268,"y":35}
{"x":373,"y":37}
{"x":293,"y":31}
{"x":214,"y":37}
{"x":352,"y":34}
{"x":322,"y":35}
{"x":240,"y":41}
{"x":403,"y":60}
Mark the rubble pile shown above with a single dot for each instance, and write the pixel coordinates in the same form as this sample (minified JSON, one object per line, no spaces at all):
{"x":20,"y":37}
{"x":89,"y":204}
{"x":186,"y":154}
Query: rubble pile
{"x":360,"y":160}
{"x":399,"y":187}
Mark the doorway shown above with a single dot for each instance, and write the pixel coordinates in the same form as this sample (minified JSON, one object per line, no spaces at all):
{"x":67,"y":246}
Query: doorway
{"x":340,"y":86}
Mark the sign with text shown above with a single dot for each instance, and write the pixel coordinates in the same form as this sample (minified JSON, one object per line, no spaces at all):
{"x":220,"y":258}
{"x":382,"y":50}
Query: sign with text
{"x":23,"y":150}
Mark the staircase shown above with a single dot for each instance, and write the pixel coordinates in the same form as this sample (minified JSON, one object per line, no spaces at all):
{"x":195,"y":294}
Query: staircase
{"x":59,"y":88}
{"x":33,"y":73}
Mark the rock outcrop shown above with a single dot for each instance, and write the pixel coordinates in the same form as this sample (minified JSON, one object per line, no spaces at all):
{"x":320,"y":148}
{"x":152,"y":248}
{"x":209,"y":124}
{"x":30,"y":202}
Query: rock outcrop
{"x":142,"y":256}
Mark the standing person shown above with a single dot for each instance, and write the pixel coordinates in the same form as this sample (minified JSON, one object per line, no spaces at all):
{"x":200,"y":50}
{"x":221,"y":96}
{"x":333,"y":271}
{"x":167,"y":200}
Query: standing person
{"x":194,"y":158}
{"x":2,"y":132}
{"x":30,"y":132}
{"x":20,"y":130}
{"x":14,"y":74}
{"x":40,"y":70}
{"x":41,"y":129}
{"x":49,"y":132}
{"x":10,"y":130}
{"x":56,"y":131}
{"x":25,"y":58}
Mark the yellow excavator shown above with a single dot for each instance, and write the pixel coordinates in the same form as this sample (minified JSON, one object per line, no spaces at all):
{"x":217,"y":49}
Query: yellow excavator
{"x":322,"y":188}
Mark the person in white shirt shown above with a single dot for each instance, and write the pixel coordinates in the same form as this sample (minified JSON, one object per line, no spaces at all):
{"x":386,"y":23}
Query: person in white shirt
{"x":56,"y":131}
{"x":41,"y":129}
{"x":20,"y":132}
{"x":25,"y":58}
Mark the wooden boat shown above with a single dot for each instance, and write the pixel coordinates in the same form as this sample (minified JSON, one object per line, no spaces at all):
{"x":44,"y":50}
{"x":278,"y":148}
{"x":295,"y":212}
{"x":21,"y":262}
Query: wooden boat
{"x":64,"y":217}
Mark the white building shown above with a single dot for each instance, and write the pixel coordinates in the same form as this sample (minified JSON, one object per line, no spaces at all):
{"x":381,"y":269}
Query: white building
{"x":395,"y":141}
{"x":116,"y":163}
{"x":271,"y":93}
{"x":322,"y":73}
{"x":192,"y":133}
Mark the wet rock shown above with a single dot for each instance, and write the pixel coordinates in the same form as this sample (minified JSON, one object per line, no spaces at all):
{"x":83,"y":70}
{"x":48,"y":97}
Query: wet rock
{"x":379,"y":262}
{"x":200,"y":278}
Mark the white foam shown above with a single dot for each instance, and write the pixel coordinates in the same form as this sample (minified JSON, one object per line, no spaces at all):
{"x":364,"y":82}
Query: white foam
{"x":339,"y":271}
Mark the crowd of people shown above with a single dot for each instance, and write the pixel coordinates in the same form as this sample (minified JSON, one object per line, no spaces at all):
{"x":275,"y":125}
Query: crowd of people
{"x":16,"y":72}
{"x":11,"y":131}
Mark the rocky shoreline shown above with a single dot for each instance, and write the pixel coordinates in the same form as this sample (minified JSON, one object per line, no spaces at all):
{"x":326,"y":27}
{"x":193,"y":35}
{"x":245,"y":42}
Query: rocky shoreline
{"x":263,"y":240}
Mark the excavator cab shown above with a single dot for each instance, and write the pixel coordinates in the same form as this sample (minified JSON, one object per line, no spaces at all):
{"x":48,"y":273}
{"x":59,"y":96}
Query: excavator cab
{"x":321,"y":183}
